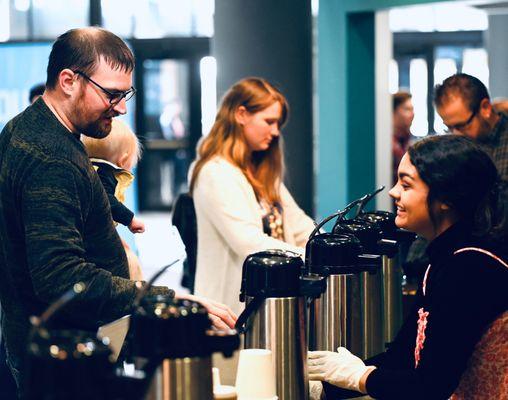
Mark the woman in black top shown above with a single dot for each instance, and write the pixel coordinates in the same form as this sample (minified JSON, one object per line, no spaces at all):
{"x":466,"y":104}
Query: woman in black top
{"x":449,"y":192}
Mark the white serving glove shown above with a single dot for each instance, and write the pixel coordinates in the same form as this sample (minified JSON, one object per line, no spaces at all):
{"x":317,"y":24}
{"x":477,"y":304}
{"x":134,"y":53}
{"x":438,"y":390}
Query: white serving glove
{"x":341,"y":369}
{"x":315,"y":390}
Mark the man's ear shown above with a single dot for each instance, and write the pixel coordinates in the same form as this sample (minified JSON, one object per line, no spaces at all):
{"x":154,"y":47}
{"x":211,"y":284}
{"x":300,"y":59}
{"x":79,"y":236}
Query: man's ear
{"x":67,"y":81}
{"x":241,"y":115}
{"x":486,"y":109}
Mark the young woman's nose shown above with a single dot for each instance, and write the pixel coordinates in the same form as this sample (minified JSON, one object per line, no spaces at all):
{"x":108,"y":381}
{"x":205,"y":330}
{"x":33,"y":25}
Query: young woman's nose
{"x":394,"y":192}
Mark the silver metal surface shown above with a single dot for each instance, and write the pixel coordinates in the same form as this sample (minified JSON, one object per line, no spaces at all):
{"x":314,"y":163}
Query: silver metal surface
{"x":183,"y":379}
{"x":336,"y":317}
{"x":392,"y":288}
{"x":279,"y":325}
{"x":373,"y":321}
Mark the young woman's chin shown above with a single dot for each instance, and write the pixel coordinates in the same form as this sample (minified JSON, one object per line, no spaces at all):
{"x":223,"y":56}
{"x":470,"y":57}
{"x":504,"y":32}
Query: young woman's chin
{"x":402,"y":223}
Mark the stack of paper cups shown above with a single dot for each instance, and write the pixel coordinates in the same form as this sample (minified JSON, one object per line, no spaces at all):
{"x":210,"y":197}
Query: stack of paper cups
{"x":255,"y":377}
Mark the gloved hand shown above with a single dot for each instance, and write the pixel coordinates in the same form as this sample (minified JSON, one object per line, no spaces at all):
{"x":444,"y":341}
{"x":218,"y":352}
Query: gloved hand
{"x":341,"y":369}
{"x":315,"y":390}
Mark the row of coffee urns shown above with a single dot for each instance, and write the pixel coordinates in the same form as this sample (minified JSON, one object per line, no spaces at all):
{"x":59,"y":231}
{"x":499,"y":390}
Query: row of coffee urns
{"x":346,"y":293}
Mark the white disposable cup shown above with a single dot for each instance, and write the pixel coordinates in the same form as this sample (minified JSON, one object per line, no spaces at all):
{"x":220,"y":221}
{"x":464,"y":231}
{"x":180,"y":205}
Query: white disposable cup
{"x":255,"y":377}
{"x":224,"y":392}
{"x":215,"y":377}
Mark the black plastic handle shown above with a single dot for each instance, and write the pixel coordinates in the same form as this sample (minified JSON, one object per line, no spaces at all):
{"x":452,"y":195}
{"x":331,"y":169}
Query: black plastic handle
{"x":242,"y":323}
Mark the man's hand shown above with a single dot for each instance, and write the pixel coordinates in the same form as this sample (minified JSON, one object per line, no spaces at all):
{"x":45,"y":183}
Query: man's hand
{"x":222,"y":316}
{"x":136,"y":226}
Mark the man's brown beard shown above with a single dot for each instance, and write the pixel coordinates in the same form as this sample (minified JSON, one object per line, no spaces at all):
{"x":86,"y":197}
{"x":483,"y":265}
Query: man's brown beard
{"x":92,"y":129}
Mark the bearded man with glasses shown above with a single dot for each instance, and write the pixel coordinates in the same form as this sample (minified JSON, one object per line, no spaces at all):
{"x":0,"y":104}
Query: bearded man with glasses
{"x":463,"y":103}
{"x":55,"y":219}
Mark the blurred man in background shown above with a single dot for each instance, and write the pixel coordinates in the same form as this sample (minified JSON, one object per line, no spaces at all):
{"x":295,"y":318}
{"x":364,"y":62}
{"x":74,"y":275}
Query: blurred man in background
{"x":403,"y":115}
{"x":463,"y":103}
{"x":36,"y":92}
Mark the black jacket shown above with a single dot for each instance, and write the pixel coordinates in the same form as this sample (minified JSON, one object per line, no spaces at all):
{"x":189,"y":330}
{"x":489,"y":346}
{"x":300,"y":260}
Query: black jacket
{"x":107,"y":174}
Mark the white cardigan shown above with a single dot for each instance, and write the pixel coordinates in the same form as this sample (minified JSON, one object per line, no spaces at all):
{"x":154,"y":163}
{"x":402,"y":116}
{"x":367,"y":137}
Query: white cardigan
{"x":230,"y":228}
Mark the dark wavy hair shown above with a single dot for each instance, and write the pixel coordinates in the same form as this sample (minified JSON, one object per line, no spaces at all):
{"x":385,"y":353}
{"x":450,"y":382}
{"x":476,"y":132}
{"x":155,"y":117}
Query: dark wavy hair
{"x":460,"y":174}
{"x":82,"y":48}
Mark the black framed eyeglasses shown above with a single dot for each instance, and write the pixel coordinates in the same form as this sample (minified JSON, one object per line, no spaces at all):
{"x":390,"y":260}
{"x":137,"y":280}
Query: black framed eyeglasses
{"x":114,"y":97}
{"x":460,"y":126}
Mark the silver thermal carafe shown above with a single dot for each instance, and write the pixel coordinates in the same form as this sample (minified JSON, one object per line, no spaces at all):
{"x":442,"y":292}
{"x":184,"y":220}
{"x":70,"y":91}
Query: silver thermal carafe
{"x":389,"y":246}
{"x":274,"y":318}
{"x":175,"y":339}
{"x":371,"y":283}
{"x":337,"y":318}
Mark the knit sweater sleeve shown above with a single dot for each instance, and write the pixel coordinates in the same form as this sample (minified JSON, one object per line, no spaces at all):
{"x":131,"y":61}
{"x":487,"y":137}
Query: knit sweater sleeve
{"x":55,"y":204}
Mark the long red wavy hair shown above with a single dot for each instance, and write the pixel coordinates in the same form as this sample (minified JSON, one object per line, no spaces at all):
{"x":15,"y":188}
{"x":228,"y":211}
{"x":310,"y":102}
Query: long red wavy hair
{"x":263,"y":169}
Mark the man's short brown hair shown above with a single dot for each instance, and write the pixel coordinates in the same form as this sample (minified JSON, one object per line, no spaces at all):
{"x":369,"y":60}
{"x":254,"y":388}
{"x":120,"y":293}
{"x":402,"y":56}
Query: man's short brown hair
{"x":82,"y":48}
{"x":467,"y":87}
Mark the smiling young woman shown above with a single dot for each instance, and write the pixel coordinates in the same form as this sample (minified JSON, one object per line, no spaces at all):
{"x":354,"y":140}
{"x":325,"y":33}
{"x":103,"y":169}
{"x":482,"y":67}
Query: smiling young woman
{"x":448,"y":191}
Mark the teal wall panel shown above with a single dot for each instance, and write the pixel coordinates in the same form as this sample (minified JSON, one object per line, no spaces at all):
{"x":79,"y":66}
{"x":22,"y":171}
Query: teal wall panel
{"x":346,"y":99}
{"x":331,"y":163}
{"x":360,"y":87}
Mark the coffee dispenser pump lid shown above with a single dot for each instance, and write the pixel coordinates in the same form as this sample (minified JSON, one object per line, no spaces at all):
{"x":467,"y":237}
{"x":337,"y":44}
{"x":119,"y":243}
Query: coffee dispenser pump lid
{"x":368,"y":233}
{"x":333,"y":254}
{"x":185,"y":322}
{"x":384,"y":220}
{"x":271,"y":273}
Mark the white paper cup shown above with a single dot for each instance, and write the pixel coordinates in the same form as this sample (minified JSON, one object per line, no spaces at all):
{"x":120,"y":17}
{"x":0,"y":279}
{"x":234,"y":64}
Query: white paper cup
{"x":255,"y":377}
{"x":224,"y":392}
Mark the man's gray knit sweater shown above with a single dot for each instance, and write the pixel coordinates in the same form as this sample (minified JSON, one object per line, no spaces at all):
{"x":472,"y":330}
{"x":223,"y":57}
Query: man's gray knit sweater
{"x":55,"y":230}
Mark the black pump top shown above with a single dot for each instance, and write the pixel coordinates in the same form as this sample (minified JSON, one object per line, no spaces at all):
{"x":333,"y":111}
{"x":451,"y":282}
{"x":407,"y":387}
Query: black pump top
{"x":384,"y":220}
{"x":67,"y":364}
{"x":368,"y":233}
{"x":185,"y":322}
{"x":271,"y":273}
{"x":68,"y":345}
{"x":331,"y":254}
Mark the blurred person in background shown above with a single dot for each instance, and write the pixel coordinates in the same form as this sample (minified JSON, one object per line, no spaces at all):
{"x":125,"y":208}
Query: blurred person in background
{"x":36,"y":92}
{"x":403,"y":115}
{"x":463,"y":103}
{"x":242,"y":205}
{"x":500,"y":105}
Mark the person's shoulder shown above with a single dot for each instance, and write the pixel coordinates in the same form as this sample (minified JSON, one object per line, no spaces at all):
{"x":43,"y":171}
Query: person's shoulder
{"x":220,"y":166}
{"x":476,"y":259}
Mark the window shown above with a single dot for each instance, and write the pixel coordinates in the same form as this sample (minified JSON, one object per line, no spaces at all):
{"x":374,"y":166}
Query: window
{"x":158,"y":18}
